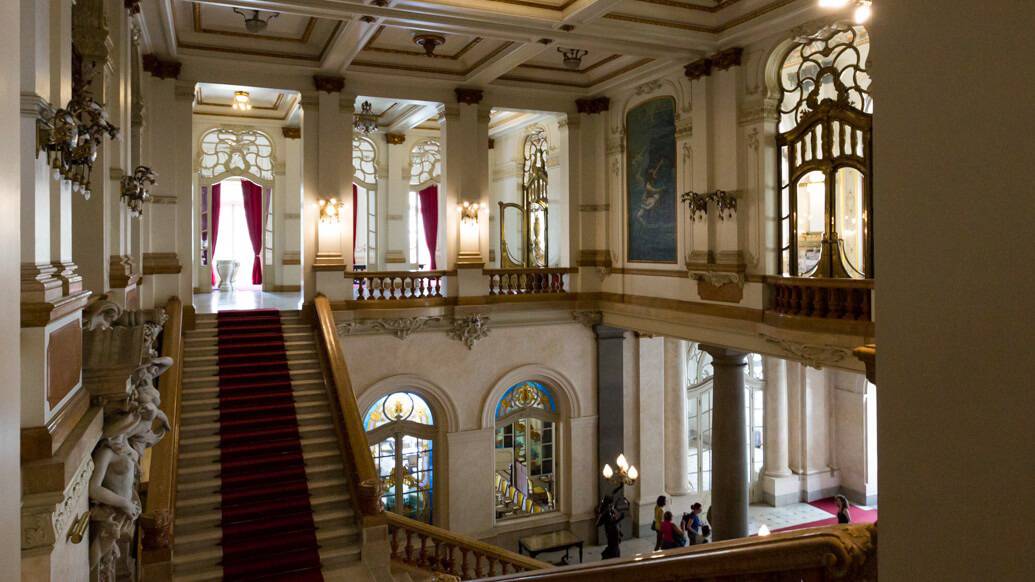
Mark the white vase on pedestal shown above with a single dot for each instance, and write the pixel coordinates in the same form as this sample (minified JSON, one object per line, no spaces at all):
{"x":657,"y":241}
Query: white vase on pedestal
{"x":227,"y":270}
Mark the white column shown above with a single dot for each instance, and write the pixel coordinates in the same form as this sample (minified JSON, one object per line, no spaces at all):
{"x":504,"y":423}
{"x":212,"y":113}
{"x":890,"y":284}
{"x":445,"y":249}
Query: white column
{"x":729,"y":445}
{"x":182,"y":188}
{"x":676,"y":435}
{"x":395,"y":197}
{"x":310,"y":219}
{"x":778,"y":485}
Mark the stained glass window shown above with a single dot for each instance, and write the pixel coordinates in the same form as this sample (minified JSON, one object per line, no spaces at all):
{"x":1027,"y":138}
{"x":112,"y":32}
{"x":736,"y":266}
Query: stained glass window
{"x":400,"y":427}
{"x":526,"y":456}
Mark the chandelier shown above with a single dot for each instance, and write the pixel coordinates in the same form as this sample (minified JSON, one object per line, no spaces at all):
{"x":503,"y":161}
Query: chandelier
{"x":253,"y":23}
{"x":572,"y":57}
{"x":861,"y":14}
{"x":365,"y":120}
{"x":136,"y":189}
{"x":71,"y":137}
{"x":242,"y":101}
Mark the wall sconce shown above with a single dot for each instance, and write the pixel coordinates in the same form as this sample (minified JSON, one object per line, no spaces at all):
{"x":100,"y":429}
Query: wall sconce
{"x":136,"y":189}
{"x":625,"y":475}
{"x":331,"y":210}
{"x":71,"y":137}
{"x":469,"y":212}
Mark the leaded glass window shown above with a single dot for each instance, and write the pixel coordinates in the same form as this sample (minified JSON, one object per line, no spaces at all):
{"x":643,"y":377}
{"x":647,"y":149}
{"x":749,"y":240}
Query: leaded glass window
{"x":825,"y":163}
{"x":526,"y":451}
{"x":535,"y":182}
{"x":364,"y":168}
{"x":228,"y":152}
{"x":425,"y":164}
{"x":401,"y":429}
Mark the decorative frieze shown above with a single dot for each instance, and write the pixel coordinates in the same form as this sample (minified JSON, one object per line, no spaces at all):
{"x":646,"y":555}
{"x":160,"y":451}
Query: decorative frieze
{"x":469,"y":330}
{"x":812,"y":355}
{"x":403,"y":327}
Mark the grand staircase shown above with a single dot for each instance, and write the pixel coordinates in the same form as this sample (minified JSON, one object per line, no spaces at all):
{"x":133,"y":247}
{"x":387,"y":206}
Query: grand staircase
{"x":261,"y":492}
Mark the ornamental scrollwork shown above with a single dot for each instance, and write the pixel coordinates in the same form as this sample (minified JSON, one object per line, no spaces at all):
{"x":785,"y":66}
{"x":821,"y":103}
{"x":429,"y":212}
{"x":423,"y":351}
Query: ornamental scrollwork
{"x":236,"y":152}
{"x":468,"y":330}
{"x":403,"y":327}
{"x":72,"y":137}
{"x":813,"y":356}
{"x":725,"y":203}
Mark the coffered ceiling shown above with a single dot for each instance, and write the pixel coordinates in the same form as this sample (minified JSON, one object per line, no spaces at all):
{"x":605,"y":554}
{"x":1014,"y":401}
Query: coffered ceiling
{"x":273,"y":104}
{"x":485,"y":42}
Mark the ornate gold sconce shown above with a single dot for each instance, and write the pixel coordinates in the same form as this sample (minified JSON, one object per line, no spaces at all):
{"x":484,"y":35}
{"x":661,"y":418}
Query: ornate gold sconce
{"x":331,"y":210}
{"x":71,"y":137}
{"x":469,"y":212}
{"x":725,"y":202}
{"x":136,"y":189}
{"x":77,"y":531}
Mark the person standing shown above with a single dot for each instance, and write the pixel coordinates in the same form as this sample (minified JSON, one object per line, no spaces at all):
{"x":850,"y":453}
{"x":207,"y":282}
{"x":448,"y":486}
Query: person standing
{"x":659,"y":515}
{"x":842,"y":509}
{"x":671,"y":535}
{"x":610,"y":519}
{"x":691,"y":524}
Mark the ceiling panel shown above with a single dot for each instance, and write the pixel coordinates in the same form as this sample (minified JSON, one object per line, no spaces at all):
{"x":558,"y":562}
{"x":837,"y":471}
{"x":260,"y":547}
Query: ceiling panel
{"x":217,"y":99}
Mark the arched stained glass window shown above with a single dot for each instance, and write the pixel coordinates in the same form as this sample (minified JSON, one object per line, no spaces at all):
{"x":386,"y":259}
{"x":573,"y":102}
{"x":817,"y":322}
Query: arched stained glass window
{"x":400,"y":428}
{"x":825,"y":164}
{"x":526,"y":451}
{"x":229,"y":152}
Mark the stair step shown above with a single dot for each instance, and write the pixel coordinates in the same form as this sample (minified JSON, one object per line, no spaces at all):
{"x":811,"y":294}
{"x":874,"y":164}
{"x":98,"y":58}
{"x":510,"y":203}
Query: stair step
{"x":212,"y":470}
{"x":322,"y":517}
{"x":189,"y":394}
{"x":248,"y":378}
{"x":213,"y":455}
{"x":291,"y":354}
{"x":193,"y":418}
{"x":211,"y":426}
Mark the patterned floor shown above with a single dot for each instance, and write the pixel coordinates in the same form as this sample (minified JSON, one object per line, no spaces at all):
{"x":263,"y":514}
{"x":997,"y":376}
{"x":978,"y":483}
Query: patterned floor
{"x":220,"y":301}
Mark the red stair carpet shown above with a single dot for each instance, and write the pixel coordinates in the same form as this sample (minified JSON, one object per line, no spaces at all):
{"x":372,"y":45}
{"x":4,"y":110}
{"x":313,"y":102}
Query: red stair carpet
{"x":267,"y":521}
{"x":859,"y":515}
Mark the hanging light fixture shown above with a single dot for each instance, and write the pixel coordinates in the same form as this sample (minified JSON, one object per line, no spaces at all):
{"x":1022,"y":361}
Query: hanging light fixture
{"x":242,"y":101}
{"x":365,"y":120}
{"x":253,"y":23}
{"x":429,"y":42}
{"x":861,"y":14}
{"x":572,"y":57}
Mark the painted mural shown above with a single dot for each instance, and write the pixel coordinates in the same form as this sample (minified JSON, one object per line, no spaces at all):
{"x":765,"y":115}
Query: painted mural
{"x":651,"y":181}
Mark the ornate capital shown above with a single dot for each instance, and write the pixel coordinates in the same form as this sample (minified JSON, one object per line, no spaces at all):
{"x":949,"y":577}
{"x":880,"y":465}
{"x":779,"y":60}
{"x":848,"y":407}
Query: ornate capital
{"x":697,"y":69}
{"x":329,"y":83}
{"x":395,"y":138}
{"x":161,"y":68}
{"x":469,"y":96}
{"x":291,"y":132}
{"x":728,"y":58}
{"x":594,"y":105}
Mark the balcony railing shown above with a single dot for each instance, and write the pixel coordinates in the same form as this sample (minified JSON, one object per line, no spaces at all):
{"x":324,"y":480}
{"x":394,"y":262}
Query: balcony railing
{"x":527,"y":281}
{"x":396,"y":285}
{"x":841,"y":299}
{"x":434,"y":549}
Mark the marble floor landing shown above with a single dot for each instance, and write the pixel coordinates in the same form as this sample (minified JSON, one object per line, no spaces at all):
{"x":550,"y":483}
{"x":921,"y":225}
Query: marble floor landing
{"x":242,"y":299}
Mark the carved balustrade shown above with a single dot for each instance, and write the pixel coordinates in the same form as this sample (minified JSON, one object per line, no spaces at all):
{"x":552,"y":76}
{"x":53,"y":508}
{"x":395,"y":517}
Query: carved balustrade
{"x":527,"y":281}
{"x":434,"y":549}
{"x":843,"y":299}
{"x":394,"y":285}
{"x":839,"y":552}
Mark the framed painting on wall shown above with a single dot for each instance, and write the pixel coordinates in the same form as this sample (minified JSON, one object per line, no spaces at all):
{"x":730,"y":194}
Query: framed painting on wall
{"x":651,"y":205}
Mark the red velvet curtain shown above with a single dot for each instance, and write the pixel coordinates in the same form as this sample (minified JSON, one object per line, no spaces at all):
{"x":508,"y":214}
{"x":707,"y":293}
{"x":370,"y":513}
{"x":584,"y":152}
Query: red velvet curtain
{"x":428,"y":198}
{"x":253,"y":216}
{"x":215,"y":231}
{"x":355,"y":206}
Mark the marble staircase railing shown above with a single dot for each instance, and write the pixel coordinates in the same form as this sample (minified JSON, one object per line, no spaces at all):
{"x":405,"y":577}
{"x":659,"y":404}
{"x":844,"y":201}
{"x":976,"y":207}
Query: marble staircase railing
{"x":836,"y":299}
{"x":837,"y":552}
{"x":527,"y":281}
{"x":426,"y":547}
{"x":395,"y":285}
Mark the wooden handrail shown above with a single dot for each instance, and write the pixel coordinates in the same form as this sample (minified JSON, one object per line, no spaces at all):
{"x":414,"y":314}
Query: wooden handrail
{"x":156,"y":521}
{"x":818,"y":297}
{"x":839,"y":552}
{"x":427,"y":547}
{"x":826,"y":282}
{"x":551,"y":270}
{"x":363,"y":479}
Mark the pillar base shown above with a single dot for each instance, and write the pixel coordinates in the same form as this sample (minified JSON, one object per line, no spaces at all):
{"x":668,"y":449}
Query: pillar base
{"x":780,"y":490}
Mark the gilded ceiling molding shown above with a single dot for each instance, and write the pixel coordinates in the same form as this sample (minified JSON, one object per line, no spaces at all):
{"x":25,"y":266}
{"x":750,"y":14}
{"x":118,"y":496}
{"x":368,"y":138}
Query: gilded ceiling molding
{"x":395,"y":138}
{"x":592,"y":106}
{"x":291,"y":132}
{"x":469,"y":96}
{"x":329,"y":83}
{"x":161,"y":68}
{"x":814,"y":356}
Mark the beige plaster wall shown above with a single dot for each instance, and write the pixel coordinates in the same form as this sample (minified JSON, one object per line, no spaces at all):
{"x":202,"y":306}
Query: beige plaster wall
{"x":10,"y":154}
{"x":953,"y":196}
{"x":468,"y":384}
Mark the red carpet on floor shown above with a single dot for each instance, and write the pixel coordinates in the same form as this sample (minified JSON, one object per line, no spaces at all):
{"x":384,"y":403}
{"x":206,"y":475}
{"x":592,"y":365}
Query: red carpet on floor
{"x":267,"y":520}
{"x":859,"y":515}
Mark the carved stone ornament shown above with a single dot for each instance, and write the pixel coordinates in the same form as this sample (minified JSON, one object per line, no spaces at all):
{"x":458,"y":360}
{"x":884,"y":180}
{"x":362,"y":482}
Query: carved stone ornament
{"x":592,"y":106}
{"x":469,"y":330}
{"x":291,"y":132}
{"x":814,"y":356}
{"x":329,"y":84}
{"x":698,"y":69}
{"x":346,"y":327}
{"x":648,"y":87}
{"x":403,"y":327}
{"x":728,"y":58}
{"x":46,"y":519}
{"x":718,"y":278}
{"x":469,"y":96}
{"x":588,"y":318}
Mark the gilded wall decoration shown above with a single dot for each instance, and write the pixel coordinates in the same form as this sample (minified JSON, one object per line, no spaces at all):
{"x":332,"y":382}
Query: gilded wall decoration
{"x":651,"y":182}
